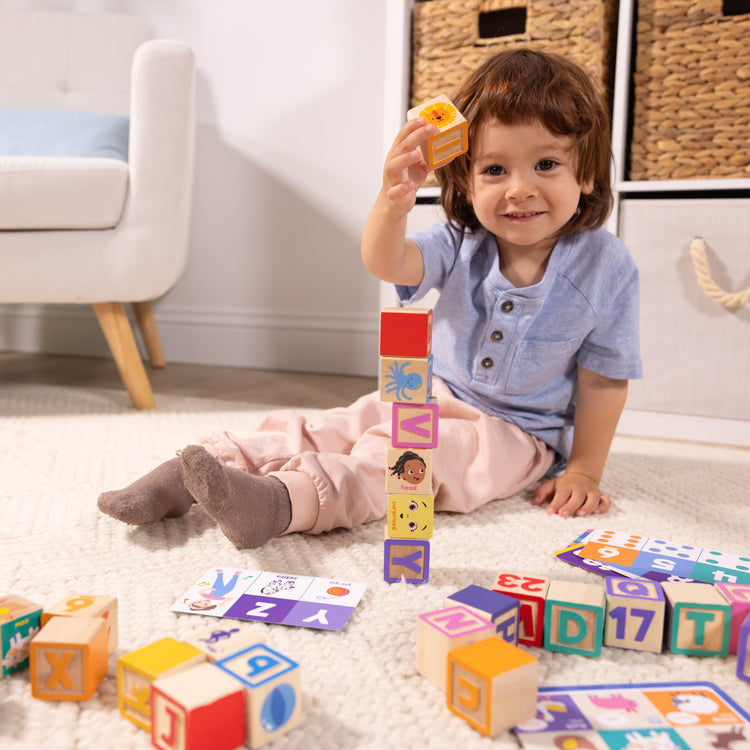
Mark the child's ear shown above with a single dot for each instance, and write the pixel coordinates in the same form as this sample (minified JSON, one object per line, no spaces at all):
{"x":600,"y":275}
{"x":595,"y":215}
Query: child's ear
{"x":587,"y":187}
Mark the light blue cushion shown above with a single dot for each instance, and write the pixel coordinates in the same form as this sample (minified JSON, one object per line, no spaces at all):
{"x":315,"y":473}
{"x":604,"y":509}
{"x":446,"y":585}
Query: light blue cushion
{"x":52,"y":132}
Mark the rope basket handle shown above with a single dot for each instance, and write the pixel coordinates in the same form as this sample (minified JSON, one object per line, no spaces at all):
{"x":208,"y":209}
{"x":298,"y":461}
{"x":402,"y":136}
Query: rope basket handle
{"x":703,"y":275}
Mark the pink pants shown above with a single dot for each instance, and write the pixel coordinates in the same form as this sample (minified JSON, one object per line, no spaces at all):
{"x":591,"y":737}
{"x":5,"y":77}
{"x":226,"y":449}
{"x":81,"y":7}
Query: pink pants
{"x":334,"y":463}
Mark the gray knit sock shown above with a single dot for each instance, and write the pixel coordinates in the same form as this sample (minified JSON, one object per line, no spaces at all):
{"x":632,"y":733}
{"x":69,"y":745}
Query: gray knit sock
{"x":250,"y":510}
{"x":159,"y":494}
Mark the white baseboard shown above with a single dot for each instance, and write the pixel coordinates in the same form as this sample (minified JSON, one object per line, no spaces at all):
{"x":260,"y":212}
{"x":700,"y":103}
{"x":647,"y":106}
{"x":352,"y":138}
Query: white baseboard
{"x":303,"y":342}
{"x":685,"y":427}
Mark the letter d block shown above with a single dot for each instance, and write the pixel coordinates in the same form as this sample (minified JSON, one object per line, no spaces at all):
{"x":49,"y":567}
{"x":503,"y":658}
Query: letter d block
{"x":698,"y":619}
{"x":492,"y":685}
{"x":635,"y":614}
{"x":743,"y":651}
{"x":439,"y":632}
{"x":738,"y":596}
{"x":68,"y":658}
{"x":272,"y":692}
{"x":138,"y":669}
{"x":19,"y":622}
{"x":574,"y":618}
{"x":531,"y":592}
{"x":197,"y":708}
{"x":407,"y":559}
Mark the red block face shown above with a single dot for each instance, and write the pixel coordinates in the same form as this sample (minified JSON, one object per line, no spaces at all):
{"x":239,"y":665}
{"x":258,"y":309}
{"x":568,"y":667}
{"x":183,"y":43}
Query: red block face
{"x":405,"y":332}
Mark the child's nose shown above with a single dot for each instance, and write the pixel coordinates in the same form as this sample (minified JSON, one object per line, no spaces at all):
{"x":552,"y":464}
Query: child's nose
{"x":521,"y":187}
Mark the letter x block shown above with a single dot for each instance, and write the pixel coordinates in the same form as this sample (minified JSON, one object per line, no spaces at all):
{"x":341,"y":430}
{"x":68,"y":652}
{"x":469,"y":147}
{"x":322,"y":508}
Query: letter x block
{"x":743,"y":651}
{"x":68,"y":658}
{"x":492,"y":685}
{"x":635,"y":614}
{"x":531,"y":592}
{"x":439,"y":632}
{"x":574,"y":618}
{"x":86,"y":605}
{"x":138,"y":669}
{"x":272,"y":690}
{"x":738,"y":596}
{"x":698,"y":619}
{"x":19,"y":622}
{"x":197,"y":708}
{"x":499,"y":609}
{"x":407,"y":559}
{"x":415,"y":425}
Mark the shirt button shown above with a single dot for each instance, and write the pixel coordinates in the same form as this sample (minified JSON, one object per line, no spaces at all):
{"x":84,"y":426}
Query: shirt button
{"x":496,"y":335}
{"x":487,"y":363}
{"x":507,"y":306}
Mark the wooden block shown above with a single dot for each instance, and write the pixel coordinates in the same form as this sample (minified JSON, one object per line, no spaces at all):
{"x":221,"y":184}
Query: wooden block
{"x":138,"y":669}
{"x":405,"y":332}
{"x":410,"y":516}
{"x":452,"y":137}
{"x":86,"y":605}
{"x":501,"y":610}
{"x":698,"y":619}
{"x":225,"y":639}
{"x":574,"y":618}
{"x":407,"y":559}
{"x":743,"y":651}
{"x":68,"y":658}
{"x":738,"y":597}
{"x":531,"y":592}
{"x":635,"y":614}
{"x":409,"y":470}
{"x":20,"y":620}
{"x":492,"y":685}
{"x":271,"y":683}
{"x":197,"y":708}
{"x":439,"y":632}
{"x":415,"y":425}
{"x":406,"y":379}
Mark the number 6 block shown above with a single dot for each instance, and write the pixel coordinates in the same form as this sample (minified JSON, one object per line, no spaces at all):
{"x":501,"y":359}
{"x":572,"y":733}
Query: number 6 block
{"x":635,"y":614}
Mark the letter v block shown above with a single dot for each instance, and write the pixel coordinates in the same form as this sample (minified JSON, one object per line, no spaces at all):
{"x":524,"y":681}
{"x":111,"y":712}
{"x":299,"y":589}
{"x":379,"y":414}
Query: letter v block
{"x":68,"y":658}
{"x":574,"y":618}
{"x":407,"y":559}
{"x":415,"y":425}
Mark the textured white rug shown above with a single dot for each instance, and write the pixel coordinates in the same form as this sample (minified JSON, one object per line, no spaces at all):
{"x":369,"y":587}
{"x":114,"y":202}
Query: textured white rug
{"x":61,"y":447}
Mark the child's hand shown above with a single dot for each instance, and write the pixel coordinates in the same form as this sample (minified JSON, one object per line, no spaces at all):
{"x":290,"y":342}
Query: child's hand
{"x":405,"y":169}
{"x":572,"y":494}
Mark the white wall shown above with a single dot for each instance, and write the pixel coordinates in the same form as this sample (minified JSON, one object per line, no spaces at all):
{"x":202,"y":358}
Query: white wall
{"x":288,"y":159}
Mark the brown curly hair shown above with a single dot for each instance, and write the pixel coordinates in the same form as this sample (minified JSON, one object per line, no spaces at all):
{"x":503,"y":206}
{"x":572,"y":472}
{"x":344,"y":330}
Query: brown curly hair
{"x":524,"y":85}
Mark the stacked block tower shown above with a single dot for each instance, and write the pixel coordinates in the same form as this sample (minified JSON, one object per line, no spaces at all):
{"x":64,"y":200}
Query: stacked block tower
{"x":406,"y":382}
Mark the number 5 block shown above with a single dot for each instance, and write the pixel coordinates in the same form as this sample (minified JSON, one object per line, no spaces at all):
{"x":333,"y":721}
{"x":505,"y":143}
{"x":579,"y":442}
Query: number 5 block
{"x":635,"y":614}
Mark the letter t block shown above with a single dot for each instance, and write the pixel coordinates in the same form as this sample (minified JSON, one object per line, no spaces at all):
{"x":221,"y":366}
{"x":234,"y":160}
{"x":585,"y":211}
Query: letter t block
{"x":698,"y":619}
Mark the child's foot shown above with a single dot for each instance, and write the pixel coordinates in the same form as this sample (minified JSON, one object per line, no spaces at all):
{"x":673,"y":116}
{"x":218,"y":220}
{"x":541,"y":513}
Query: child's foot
{"x":159,"y":494}
{"x":250,"y":510}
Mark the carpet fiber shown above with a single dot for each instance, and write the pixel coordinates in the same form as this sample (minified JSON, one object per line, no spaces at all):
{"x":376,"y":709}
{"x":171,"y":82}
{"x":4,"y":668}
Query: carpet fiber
{"x":61,"y":447}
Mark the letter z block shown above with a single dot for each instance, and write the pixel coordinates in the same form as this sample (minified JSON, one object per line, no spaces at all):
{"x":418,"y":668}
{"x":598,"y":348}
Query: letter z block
{"x":531,"y":592}
{"x":138,"y":669}
{"x":698,"y":619}
{"x":272,"y":690}
{"x":439,"y":632}
{"x":499,"y":609}
{"x":68,"y":658}
{"x":19,"y":623}
{"x":86,"y":605}
{"x":738,"y":596}
{"x":415,"y":426}
{"x":407,"y":559}
{"x":197,"y":708}
{"x":492,"y":685}
{"x":405,"y":332}
{"x":574,"y":618}
{"x":635,"y":614}
{"x":743,"y":651}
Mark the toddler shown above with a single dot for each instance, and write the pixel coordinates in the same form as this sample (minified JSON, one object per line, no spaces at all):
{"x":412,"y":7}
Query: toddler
{"x":535,"y":332}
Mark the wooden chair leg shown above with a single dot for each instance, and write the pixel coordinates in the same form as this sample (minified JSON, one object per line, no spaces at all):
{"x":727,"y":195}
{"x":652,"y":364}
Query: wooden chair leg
{"x":116,"y":327}
{"x":144,"y":315}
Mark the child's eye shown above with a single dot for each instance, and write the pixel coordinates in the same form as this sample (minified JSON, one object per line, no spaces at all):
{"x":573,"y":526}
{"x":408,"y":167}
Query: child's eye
{"x":546,"y":164}
{"x":494,"y":170}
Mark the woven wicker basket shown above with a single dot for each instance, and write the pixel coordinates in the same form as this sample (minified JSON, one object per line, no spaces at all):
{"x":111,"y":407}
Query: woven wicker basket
{"x":447,"y":44}
{"x":691,"y":115}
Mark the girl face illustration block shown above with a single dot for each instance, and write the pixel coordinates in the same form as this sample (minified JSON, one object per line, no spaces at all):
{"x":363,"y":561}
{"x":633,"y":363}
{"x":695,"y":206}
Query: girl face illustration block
{"x":408,"y":471}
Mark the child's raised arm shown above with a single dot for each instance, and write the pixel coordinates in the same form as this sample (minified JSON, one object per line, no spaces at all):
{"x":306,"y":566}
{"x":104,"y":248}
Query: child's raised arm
{"x":385,"y":250}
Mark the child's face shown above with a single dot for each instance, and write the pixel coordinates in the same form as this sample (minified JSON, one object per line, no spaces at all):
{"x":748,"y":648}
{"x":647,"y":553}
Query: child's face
{"x":524,"y":184}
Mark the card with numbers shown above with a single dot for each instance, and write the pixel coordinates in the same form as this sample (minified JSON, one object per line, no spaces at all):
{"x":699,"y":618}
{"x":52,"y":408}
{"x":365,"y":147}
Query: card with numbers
{"x":279,"y":598}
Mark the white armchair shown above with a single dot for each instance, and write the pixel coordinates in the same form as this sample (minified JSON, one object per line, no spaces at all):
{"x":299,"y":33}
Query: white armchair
{"x":84,"y":226}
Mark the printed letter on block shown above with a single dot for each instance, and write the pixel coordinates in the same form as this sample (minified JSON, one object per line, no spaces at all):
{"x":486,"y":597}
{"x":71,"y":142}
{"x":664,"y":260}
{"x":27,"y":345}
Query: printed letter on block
{"x":635,"y":614}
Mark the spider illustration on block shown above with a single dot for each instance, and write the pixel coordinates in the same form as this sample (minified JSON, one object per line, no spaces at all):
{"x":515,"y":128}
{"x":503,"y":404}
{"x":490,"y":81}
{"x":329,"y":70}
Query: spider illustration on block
{"x":399,"y":381}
